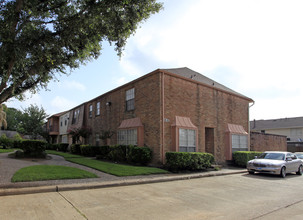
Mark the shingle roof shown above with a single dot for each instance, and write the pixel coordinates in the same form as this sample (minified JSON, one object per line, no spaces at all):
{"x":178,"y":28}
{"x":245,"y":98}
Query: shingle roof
{"x":188,"y":73}
{"x":276,"y":123}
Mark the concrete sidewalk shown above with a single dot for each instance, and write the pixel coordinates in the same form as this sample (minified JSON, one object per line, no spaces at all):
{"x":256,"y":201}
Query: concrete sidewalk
{"x":32,"y":187}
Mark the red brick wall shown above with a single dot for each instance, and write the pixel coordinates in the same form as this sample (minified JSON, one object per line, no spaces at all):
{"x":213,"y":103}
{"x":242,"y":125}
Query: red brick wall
{"x":147,"y":108}
{"x":267,"y":142}
{"x":207,"y":108}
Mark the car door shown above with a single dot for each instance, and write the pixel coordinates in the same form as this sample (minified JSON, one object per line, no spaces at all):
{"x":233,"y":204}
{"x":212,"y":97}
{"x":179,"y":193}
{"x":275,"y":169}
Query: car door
{"x":292,"y":163}
{"x":289,"y":163}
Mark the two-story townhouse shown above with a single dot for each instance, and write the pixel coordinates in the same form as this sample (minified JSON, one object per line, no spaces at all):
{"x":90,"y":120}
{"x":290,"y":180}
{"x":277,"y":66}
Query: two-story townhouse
{"x":52,"y":127}
{"x":63,"y":124}
{"x":172,"y":110}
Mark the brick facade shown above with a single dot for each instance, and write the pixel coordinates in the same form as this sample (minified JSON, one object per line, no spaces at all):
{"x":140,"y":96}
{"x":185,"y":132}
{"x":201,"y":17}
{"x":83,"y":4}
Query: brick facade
{"x":160,"y":97}
{"x":267,"y":142}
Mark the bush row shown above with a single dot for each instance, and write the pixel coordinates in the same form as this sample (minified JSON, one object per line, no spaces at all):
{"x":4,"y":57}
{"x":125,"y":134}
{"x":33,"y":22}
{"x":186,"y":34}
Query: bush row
{"x":242,"y":157}
{"x":60,"y":147}
{"x":119,"y":153}
{"x":33,"y":148}
{"x":176,"y":161}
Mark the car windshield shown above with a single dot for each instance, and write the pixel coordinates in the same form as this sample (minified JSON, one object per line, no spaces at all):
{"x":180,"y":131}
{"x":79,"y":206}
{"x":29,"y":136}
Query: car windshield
{"x":272,"y":156}
{"x":300,"y":156}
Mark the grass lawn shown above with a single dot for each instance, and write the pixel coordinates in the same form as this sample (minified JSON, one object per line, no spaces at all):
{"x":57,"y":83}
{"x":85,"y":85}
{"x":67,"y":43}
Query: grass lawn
{"x":62,"y":154}
{"x":50,"y":172}
{"x":6,"y":150}
{"x":110,"y":168}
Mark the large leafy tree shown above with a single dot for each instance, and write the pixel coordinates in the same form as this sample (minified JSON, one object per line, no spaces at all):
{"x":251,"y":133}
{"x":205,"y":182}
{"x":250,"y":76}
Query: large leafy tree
{"x":13,"y":118}
{"x":32,"y":121}
{"x":42,"y":38}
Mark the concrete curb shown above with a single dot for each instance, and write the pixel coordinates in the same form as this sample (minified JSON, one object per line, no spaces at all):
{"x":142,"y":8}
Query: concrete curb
{"x":96,"y":185}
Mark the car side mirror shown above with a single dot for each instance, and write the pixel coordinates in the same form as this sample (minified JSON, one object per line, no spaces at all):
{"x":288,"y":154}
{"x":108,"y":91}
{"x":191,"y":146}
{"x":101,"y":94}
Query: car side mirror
{"x":256,"y":157}
{"x":288,"y":159}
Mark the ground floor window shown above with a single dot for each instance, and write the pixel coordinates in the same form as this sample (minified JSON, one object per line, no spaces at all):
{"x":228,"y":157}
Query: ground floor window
{"x":187,"y":140}
{"x":239,"y":142}
{"x":64,"y":139}
{"x":127,"y":136}
{"x":97,"y":139}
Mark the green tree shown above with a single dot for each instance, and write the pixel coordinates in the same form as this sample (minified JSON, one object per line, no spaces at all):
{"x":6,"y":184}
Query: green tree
{"x":32,"y":121}
{"x":13,"y":118}
{"x":40,"y":39}
{"x":3,"y":122}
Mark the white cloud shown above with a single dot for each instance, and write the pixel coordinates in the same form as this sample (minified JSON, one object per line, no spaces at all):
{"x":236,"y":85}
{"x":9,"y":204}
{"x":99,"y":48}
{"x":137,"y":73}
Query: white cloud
{"x":60,"y":104}
{"x":72,"y":85}
{"x":30,"y":99}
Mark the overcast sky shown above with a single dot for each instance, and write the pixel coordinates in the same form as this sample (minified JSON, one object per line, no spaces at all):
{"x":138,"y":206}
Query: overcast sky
{"x":253,"y":47}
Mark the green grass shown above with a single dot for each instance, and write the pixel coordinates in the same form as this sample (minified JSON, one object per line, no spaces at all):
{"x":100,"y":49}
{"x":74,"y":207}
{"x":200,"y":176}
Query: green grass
{"x":62,"y":154}
{"x":116,"y":169}
{"x":50,"y":172}
{"x":6,"y":150}
{"x":110,"y":168}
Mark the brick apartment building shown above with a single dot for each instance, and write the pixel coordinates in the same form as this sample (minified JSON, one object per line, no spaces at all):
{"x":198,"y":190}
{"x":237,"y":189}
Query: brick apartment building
{"x":168,"y":110}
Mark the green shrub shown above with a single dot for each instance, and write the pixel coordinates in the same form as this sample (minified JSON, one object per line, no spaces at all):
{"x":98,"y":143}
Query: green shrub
{"x":176,"y":161}
{"x":87,"y":150}
{"x":75,"y":149}
{"x":63,"y":147}
{"x":139,"y":155}
{"x":117,"y":153}
{"x":33,"y":148}
{"x":102,"y":152}
{"x":242,"y":157}
{"x":5,"y":142}
{"x":52,"y":146}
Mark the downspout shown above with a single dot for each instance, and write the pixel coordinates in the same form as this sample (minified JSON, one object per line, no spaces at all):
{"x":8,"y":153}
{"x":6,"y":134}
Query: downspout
{"x":249,"y":124}
{"x":163,"y":104}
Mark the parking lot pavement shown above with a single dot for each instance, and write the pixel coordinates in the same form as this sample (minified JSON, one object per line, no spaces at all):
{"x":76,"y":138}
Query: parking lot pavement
{"x":238,"y":196}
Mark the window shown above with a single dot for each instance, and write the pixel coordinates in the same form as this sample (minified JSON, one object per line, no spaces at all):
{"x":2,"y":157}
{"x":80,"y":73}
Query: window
{"x":239,"y":142}
{"x":98,"y":108}
{"x":90,"y":112}
{"x":127,"y":136}
{"x":97,"y":139}
{"x":75,"y":116}
{"x":130,"y":99}
{"x":187,"y":140}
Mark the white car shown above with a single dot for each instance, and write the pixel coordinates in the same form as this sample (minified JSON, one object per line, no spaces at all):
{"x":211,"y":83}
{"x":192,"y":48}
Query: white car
{"x":299,"y":155}
{"x":275,"y":162}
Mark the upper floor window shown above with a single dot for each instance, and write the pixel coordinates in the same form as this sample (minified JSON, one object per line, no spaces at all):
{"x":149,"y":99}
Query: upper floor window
{"x":75,"y":116}
{"x":90,"y":112}
{"x":98,"y":108}
{"x":130,"y":99}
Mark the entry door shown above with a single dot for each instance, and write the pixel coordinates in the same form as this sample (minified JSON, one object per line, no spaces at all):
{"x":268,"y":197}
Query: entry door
{"x":210,"y":140}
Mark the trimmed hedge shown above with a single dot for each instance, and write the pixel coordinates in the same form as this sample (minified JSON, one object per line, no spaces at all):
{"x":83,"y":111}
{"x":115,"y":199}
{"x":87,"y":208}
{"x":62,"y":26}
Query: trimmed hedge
{"x":33,"y":148}
{"x":176,"y":161}
{"x":75,"y":149}
{"x":242,"y":157}
{"x":139,"y":155}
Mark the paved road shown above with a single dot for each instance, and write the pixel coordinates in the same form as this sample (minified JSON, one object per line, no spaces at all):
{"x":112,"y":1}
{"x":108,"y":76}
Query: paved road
{"x":239,"y":196}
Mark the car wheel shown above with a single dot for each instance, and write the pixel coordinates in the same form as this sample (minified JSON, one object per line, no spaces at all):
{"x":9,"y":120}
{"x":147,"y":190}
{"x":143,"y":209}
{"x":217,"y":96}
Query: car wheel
{"x":251,"y":172}
{"x":299,"y":172}
{"x":283,"y":172}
